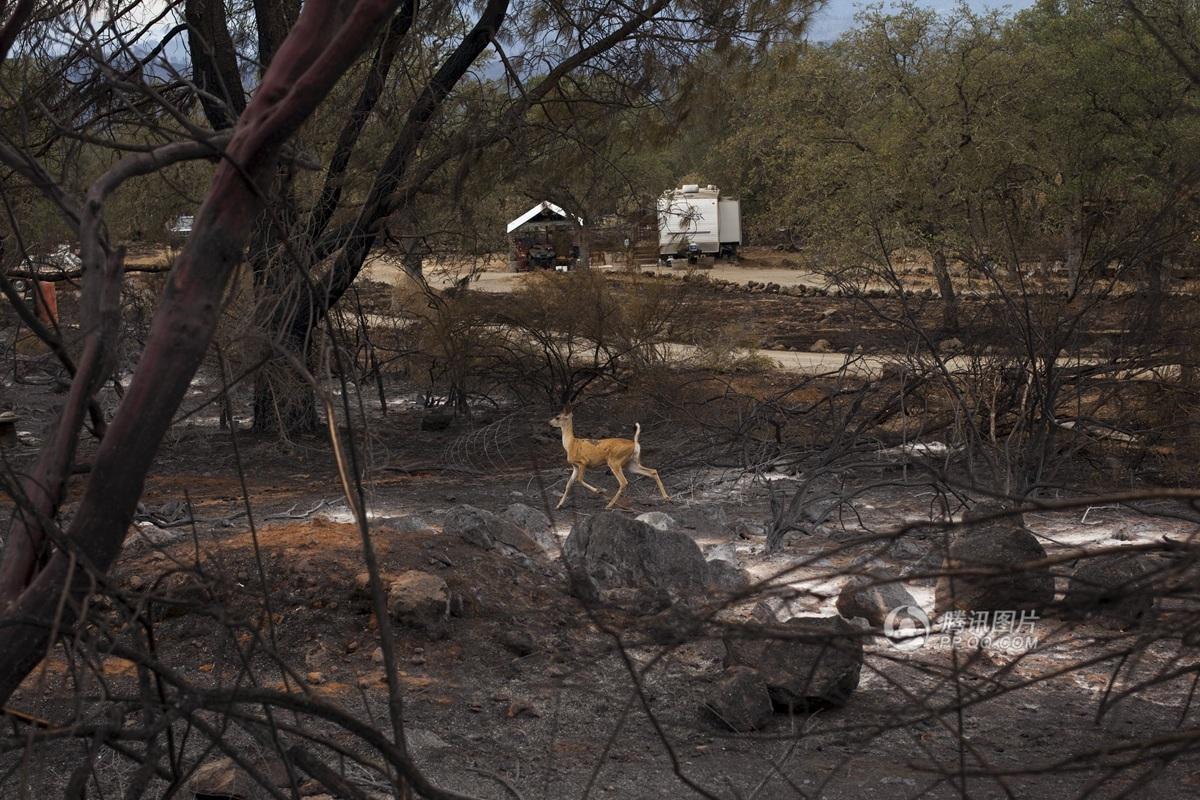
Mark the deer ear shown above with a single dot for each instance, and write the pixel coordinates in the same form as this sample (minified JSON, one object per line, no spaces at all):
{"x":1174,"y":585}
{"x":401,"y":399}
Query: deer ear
{"x":568,"y":408}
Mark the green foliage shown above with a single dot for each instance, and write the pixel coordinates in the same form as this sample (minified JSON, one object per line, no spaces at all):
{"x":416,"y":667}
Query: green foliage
{"x":987,"y":137}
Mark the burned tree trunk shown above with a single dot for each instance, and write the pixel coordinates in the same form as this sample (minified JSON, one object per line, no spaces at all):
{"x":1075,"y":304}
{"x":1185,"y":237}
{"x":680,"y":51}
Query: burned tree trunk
{"x":1155,"y":292}
{"x":285,"y":402}
{"x":941,"y":273}
{"x":47,"y":580}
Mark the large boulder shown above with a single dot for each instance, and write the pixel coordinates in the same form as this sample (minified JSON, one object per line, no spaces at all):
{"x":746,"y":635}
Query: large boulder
{"x":487,"y":530}
{"x":740,"y":700}
{"x":1002,"y":546}
{"x":872,"y":596}
{"x":811,"y":662}
{"x":919,"y":556}
{"x":534,"y":523}
{"x":612,"y":551}
{"x":419,"y":599}
{"x":657,"y":520}
{"x":1116,"y":588}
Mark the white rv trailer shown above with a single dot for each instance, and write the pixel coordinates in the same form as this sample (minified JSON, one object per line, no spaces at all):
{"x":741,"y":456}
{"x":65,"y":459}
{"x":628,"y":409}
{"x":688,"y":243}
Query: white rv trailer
{"x":695,"y":220}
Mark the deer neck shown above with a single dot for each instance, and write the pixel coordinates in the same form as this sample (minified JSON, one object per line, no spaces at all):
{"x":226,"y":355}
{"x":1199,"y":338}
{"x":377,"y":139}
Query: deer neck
{"x":568,"y":436}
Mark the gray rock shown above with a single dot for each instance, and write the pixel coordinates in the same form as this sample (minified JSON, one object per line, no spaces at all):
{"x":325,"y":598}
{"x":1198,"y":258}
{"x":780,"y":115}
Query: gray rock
{"x":437,"y":421}
{"x":534,"y":523}
{"x":1000,"y":545}
{"x":920,"y":560}
{"x":517,"y":641}
{"x":487,"y":530}
{"x":907,"y":550}
{"x":726,"y":576}
{"x":612,"y":551}
{"x":155,"y":536}
{"x":740,"y":700}
{"x":821,"y":346}
{"x":871,"y":597}
{"x":767,"y":611}
{"x":424,"y":741}
{"x":724,"y":552}
{"x":419,"y":599}
{"x":749,"y":529}
{"x":1115,"y":588}
{"x":814,"y":661}
{"x":408,"y":523}
{"x":657,"y":520}
{"x":223,"y":779}
{"x":951,"y":345}
{"x":636,"y":601}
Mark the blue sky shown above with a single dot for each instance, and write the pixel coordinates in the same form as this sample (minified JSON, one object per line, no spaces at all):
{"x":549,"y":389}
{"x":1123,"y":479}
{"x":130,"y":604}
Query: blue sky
{"x":838,"y":15}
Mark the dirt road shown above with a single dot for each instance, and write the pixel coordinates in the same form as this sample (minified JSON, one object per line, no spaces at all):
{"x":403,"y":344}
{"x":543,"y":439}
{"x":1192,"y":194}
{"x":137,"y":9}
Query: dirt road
{"x":387,"y":271}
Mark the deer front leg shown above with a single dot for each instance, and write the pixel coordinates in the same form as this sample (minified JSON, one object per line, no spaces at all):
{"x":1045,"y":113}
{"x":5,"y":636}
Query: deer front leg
{"x":570,"y":482}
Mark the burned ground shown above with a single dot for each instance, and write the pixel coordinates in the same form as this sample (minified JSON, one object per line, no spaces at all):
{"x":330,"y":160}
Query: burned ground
{"x":528,"y":686}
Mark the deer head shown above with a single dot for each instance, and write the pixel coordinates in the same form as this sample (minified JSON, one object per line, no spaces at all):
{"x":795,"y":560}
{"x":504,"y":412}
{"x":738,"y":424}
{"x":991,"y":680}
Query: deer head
{"x":563,"y":418}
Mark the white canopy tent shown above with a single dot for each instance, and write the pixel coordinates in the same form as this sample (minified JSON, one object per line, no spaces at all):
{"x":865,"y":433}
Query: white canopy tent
{"x":544,"y":211}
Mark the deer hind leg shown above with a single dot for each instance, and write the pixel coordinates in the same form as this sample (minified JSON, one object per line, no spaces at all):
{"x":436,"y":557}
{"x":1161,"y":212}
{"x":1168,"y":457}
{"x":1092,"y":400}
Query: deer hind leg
{"x":637,"y":467}
{"x":622,"y":482}
{"x":570,"y":483}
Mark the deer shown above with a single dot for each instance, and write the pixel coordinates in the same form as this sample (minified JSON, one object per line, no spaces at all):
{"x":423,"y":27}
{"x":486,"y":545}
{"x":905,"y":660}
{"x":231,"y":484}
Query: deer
{"x":616,"y":453}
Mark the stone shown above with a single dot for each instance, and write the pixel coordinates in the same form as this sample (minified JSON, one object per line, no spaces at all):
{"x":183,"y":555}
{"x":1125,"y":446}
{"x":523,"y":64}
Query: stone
{"x":611,"y":551}
{"x":424,"y":741}
{"x":517,"y":641}
{"x":534,"y":523}
{"x":1115,"y":588}
{"x":726,"y":576}
{"x":908,"y":550}
{"x":419,"y":599}
{"x":813,"y":662}
{"x":635,"y":601}
{"x":362,"y":585}
{"x":872,"y":597}
{"x":749,"y":529}
{"x":657,"y":520}
{"x":223,"y":779}
{"x":920,"y":559}
{"x":437,"y":421}
{"x":767,"y":611}
{"x":999,"y":545}
{"x":725,"y":552}
{"x":408,"y":523}
{"x":155,"y":536}
{"x":740,"y":700}
{"x":488,"y":531}
{"x":951,"y":345}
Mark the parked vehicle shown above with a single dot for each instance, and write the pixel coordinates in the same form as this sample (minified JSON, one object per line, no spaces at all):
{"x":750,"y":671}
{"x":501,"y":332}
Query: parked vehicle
{"x":696,"y":221}
{"x":181,"y":226}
